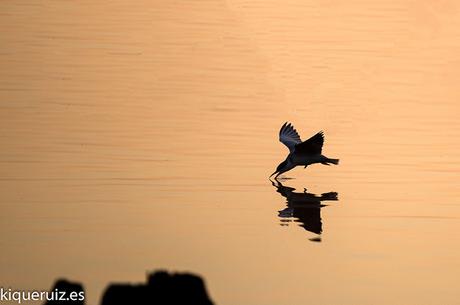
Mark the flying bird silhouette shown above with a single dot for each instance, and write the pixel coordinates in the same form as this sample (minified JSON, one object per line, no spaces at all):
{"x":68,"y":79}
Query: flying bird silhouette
{"x":301,"y":153}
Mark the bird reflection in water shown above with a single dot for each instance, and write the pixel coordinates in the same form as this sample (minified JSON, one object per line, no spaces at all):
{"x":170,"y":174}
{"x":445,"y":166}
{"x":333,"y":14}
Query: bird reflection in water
{"x":303,"y":207}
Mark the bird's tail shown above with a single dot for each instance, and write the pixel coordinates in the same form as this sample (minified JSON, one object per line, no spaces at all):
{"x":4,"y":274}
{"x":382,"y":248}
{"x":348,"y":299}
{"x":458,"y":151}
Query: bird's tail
{"x":333,"y":161}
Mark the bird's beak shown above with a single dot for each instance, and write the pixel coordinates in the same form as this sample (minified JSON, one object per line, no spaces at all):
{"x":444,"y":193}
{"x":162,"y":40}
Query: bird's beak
{"x":273,"y":174}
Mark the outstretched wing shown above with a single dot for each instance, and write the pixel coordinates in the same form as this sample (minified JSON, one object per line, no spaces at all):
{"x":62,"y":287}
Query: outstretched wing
{"x":289,"y":136}
{"x":312,"y":146}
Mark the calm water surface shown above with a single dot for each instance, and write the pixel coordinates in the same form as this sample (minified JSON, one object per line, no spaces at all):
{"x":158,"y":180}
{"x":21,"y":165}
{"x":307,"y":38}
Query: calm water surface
{"x":137,"y":136}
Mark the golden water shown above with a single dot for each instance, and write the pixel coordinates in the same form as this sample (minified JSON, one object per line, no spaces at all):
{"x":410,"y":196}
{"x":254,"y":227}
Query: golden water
{"x":140,"y":135}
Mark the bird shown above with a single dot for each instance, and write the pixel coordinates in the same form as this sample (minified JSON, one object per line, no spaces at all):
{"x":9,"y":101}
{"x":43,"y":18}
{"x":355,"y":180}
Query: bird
{"x":301,"y":153}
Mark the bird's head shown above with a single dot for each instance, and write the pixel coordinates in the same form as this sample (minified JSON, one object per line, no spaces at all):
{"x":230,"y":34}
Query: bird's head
{"x":280,"y":168}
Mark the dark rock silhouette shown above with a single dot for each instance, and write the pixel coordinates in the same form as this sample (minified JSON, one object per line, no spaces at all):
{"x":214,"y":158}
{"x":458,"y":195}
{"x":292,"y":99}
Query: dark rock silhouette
{"x":66,"y":293}
{"x":304,"y":207}
{"x":162,"y":288}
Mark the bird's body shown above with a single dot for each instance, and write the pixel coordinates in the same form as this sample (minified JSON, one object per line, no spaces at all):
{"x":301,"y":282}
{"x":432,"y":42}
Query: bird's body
{"x":301,"y":153}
